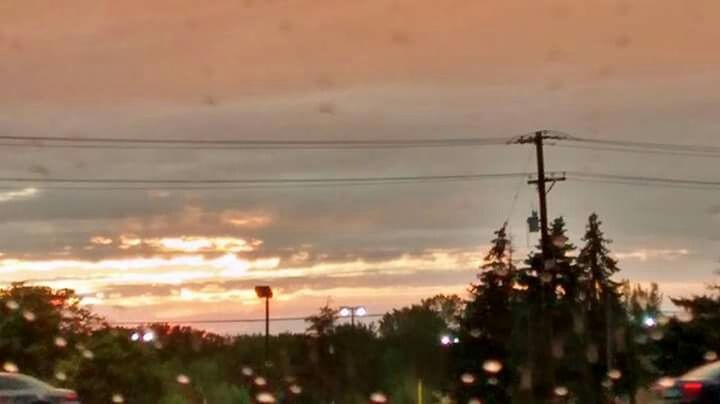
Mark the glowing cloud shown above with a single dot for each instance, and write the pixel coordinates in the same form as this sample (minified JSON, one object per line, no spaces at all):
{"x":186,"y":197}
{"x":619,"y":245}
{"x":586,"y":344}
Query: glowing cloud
{"x":20,"y":194}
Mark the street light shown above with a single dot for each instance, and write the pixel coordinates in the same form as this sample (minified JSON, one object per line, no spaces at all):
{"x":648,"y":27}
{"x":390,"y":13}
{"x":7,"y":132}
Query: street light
{"x":265,"y":292}
{"x":352,"y":312}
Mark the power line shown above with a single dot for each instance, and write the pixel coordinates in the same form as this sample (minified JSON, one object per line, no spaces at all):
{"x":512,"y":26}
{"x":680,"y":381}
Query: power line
{"x":236,"y":144}
{"x":340,"y":181}
{"x":637,"y":151}
{"x":224,"y":321}
{"x":642,"y":145}
{"x":641,"y":180}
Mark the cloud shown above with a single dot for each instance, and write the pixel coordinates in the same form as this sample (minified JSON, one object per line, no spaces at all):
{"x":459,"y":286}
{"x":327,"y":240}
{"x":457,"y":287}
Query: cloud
{"x":25,"y":193}
{"x":651,"y":254}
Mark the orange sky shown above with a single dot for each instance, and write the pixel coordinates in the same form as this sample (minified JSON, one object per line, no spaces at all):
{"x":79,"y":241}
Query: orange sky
{"x":642,"y":70}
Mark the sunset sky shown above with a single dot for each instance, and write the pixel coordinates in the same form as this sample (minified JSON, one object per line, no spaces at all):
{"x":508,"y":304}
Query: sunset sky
{"x":641,"y":70}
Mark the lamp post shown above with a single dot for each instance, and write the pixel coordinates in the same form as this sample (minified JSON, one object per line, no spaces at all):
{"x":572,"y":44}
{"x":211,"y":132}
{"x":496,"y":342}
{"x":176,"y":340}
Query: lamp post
{"x":351,"y":312}
{"x":265,"y":292}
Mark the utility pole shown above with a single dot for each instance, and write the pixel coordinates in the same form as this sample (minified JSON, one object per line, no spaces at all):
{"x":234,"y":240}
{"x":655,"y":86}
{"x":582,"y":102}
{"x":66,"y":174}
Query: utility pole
{"x":546,"y":264}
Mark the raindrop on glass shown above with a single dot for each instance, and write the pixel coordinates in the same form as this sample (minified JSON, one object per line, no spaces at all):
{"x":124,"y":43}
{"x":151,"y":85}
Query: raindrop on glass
{"x":467,"y":378}
{"x":118,"y":398}
{"x":60,"y":342}
{"x":12,"y":305}
{"x":10,"y":367}
{"x":492,"y":366}
{"x":265,"y":398}
{"x":183,"y":379}
{"x":561,"y":391}
{"x":29,"y":316}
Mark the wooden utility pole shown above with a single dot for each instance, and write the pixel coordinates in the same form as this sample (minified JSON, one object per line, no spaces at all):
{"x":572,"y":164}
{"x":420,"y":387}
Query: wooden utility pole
{"x":547,"y":258}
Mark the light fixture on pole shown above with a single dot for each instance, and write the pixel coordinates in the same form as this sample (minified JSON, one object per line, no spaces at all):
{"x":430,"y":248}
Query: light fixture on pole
{"x":352,"y":312}
{"x":265,"y":292}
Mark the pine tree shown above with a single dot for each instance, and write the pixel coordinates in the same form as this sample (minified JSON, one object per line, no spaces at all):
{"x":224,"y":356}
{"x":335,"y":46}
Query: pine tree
{"x":606,"y":319}
{"x":488,"y":326}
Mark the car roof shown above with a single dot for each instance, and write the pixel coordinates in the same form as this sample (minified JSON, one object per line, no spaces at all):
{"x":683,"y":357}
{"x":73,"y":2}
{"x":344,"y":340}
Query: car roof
{"x":707,"y":372}
{"x":27,"y":379}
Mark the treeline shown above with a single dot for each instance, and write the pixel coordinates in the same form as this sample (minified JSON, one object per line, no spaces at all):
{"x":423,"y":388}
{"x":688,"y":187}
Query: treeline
{"x":562,"y":328}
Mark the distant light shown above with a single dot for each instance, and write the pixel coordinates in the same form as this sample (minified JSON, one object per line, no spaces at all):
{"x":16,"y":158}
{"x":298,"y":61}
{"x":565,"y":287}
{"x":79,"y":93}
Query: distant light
{"x":467,"y":378}
{"x":247,"y":371}
{"x":649,"y":322}
{"x":614,"y":374}
{"x":456,"y":340}
{"x":378,"y":398}
{"x":666,"y":382}
{"x":295,"y":389}
{"x":265,"y":398}
{"x":149,"y":336}
{"x":135,"y":336}
{"x":10,"y":367}
{"x":492,"y":366}
{"x":561,"y":391}
{"x":361,"y":311}
{"x":446,"y":340}
{"x":183,"y":379}
{"x":260,"y":381}
{"x":345,"y":312}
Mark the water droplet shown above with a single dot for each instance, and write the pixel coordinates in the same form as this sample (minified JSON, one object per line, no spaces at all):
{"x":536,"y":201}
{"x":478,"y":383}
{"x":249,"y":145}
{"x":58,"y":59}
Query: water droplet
{"x":492,"y":366}
{"x":10,"y":367}
{"x":12,"y":305}
{"x":561,"y":391}
{"x":710,"y":356}
{"x":247,"y":371}
{"x":260,"y":381}
{"x":467,"y":378}
{"x":295,"y":389}
{"x":378,"y":398}
{"x":666,"y":382}
{"x":118,"y":398}
{"x":60,"y":342}
{"x":61,"y":376}
{"x":684,"y":317}
{"x":614,"y":374}
{"x":183,"y":379}
{"x":29,"y":316}
{"x":265,"y":398}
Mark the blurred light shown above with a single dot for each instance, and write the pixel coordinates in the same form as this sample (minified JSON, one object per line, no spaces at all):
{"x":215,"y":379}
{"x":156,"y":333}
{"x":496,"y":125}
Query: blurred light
{"x":345,"y":312}
{"x":474,"y":401}
{"x":260,"y":381}
{"x":361,"y":311}
{"x":135,"y":336}
{"x":492,"y":366}
{"x":295,"y":389}
{"x":561,"y":391}
{"x":467,"y":378}
{"x":265,"y":398}
{"x":649,"y":322}
{"x":149,"y":336}
{"x":60,"y":342}
{"x":12,"y":305}
{"x":378,"y":398}
{"x":10,"y":367}
{"x":710,"y":356}
{"x":118,"y":398}
{"x":88,"y":354}
{"x":657,"y":335}
{"x":183,"y":379}
{"x":493,"y":381}
{"x":456,"y":340}
{"x":29,"y":316}
{"x":607,"y":383}
{"x":684,"y":317}
{"x":666,"y":382}
{"x":446,"y":340}
{"x":247,"y":371}
{"x":61,"y":376}
{"x":614,"y":374}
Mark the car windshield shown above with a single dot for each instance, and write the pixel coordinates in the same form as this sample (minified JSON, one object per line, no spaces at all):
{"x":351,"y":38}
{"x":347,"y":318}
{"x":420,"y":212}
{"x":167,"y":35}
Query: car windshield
{"x":355,"y":201}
